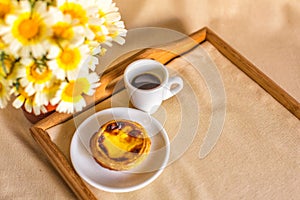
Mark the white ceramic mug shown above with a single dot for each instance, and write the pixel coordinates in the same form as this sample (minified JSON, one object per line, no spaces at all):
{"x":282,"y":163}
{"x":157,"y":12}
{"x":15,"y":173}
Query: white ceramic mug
{"x":150,"y":99}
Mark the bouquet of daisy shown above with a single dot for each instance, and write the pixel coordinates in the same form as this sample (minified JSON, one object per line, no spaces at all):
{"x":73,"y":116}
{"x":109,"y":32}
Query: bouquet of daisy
{"x":49,"y":50}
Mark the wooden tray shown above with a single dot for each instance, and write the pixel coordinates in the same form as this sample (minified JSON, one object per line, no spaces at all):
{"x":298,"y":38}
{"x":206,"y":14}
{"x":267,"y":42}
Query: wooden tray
{"x":164,"y":54}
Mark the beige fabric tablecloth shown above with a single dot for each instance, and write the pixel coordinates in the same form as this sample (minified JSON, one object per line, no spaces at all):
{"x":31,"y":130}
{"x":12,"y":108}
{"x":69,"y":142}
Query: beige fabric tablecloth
{"x":266,"y":32}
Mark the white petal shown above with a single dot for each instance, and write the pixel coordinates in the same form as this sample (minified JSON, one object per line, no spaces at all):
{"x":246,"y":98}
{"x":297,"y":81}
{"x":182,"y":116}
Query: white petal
{"x":53,"y":52}
{"x":89,"y":34}
{"x":40,"y":99}
{"x":26,"y":61}
{"x":81,"y":104}
{"x":18,"y":102}
{"x":10,"y":19}
{"x":29,"y":89}
{"x":37,"y":50}
{"x":43,"y":109}
{"x":65,"y":107}
{"x":4,"y":30}
{"x":28,"y":106}
{"x":54,"y":101}
{"x":36,"y":110}
{"x":24,"y":82}
{"x":25,"y":51}
{"x":113,"y":17}
{"x":3,"y":103}
{"x":40,"y":7}
{"x":119,"y":40}
{"x":25,"y":5}
{"x":97,"y":50}
{"x":15,"y":47}
{"x":72,"y":75}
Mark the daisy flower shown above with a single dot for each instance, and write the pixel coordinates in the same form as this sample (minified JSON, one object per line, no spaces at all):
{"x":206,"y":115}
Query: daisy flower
{"x":101,"y":34}
{"x":34,"y":76}
{"x":23,"y":99}
{"x":95,"y":48}
{"x":80,"y":11}
{"x":111,"y":28}
{"x":4,"y":92}
{"x":70,"y":95}
{"x":67,"y":62}
{"x":6,"y":7}
{"x":28,"y":30}
{"x":108,"y":11}
{"x":92,"y":60}
{"x":64,"y":32}
{"x":49,"y":50}
{"x":44,"y":96}
{"x":117,"y":32}
{"x":9,"y":68}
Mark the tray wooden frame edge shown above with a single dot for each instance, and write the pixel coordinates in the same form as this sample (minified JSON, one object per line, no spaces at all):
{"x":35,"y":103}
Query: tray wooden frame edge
{"x":164,"y":55}
{"x":277,"y":92}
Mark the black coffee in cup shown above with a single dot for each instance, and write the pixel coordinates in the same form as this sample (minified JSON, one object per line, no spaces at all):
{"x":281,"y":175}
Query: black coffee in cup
{"x":145,"y":81}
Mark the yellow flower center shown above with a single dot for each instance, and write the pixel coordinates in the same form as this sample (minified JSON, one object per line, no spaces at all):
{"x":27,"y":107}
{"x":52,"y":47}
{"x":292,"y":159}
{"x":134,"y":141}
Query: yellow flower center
{"x":83,"y":84}
{"x":62,"y":30}
{"x":38,"y":74}
{"x":96,"y":30}
{"x":69,"y":59}
{"x":70,"y":94}
{"x":71,"y":91}
{"x":1,"y":87}
{"x":29,"y":28}
{"x":74,"y":90}
{"x":4,"y":8}
{"x":76,"y":11}
{"x":66,"y":56}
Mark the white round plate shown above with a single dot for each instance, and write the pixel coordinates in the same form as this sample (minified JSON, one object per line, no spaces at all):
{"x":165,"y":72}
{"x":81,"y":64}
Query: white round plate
{"x":119,"y":181}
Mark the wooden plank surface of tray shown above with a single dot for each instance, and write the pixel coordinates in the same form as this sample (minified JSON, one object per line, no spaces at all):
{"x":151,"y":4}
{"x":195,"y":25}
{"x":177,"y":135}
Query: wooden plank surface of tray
{"x":270,"y":101}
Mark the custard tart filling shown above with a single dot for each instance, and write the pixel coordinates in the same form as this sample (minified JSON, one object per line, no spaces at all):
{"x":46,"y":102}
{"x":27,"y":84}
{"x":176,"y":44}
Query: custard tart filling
{"x":120,"y":144}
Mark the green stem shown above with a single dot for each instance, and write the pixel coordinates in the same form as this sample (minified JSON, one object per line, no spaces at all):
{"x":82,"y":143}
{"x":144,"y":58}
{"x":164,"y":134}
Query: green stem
{"x":2,"y":55}
{"x":32,"y":2}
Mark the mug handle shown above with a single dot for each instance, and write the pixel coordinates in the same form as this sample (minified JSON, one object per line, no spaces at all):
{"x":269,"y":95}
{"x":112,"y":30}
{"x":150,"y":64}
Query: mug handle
{"x":169,"y":91}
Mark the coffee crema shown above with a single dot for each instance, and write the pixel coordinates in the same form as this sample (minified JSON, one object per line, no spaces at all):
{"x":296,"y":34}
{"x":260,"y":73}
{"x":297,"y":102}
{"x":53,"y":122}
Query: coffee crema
{"x":146,"y":81}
